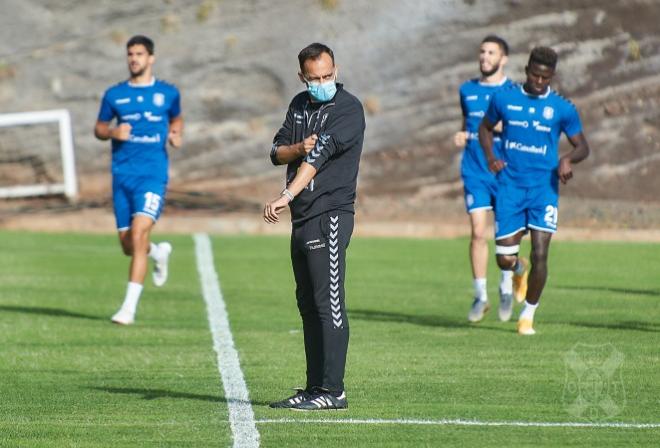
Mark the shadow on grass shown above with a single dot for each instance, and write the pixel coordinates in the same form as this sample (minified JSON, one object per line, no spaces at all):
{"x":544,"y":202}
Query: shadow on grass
{"x":152,"y":394}
{"x":47,"y":312}
{"x":634,"y":325}
{"x":633,"y":291}
{"x":415,"y":319}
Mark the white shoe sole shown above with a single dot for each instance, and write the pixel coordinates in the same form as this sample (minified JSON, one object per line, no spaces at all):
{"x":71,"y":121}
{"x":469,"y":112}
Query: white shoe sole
{"x":505,"y":317}
{"x":123,"y":319}
{"x":478,"y":318}
{"x":503,"y":313}
{"x":528,"y":330}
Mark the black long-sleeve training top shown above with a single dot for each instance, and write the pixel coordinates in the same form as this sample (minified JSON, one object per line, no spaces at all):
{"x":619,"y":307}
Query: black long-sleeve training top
{"x":339,"y":125}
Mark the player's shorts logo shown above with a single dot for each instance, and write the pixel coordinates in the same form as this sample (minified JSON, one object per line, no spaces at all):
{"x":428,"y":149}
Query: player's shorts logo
{"x":469,"y":200}
{"x":594,"y":387}
{"x":548,"y":112}
{"x":158,"y":99}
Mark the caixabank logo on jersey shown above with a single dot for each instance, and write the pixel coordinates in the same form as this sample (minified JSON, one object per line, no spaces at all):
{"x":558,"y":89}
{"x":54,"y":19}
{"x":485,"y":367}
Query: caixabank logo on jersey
{"x":593,"y":389}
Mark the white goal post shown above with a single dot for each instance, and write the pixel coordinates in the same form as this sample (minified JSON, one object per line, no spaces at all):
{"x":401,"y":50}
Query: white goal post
{"x":69,"y":184}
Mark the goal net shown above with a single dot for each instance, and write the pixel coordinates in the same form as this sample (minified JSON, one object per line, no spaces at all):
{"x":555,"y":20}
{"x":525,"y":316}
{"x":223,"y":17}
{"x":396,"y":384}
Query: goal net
{"x":36,"y":155}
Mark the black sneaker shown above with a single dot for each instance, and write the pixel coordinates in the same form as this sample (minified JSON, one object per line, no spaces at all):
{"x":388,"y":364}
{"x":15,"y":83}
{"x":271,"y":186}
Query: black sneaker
{"x":322,"y":401}
{"x":300,"y":396}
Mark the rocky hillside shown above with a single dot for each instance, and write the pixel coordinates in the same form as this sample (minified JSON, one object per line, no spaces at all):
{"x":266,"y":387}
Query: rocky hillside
{"x":235,"y":62}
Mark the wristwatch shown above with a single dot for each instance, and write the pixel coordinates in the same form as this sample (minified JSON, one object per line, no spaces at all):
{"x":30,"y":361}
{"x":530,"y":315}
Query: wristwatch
{"x":288,"y":194}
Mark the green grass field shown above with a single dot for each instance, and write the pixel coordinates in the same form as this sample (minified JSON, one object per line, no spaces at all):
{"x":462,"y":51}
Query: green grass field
{"x":70,"y":378}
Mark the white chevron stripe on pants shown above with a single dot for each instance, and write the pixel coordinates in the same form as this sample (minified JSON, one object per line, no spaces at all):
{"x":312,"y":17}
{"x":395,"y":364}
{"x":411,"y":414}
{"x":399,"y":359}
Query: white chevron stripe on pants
{"x":318,"y":255}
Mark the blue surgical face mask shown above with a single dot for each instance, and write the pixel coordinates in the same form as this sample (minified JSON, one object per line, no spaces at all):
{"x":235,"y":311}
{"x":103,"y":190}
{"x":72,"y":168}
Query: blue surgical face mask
{"x":323,"y":91}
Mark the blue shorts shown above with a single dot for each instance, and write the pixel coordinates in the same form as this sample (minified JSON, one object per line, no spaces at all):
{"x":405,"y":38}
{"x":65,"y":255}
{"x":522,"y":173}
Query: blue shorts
{"x":479,"y":193}
{"x":522,"y":208}
{"x":135,"y":195}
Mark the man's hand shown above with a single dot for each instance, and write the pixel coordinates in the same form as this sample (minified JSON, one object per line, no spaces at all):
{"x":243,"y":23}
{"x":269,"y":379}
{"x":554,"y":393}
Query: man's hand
{"x":308,"y":144}
{"x":174,"y":138}
{"x":288,"y":153}
{"x":496,"y":165}
{"x":273,"y":208}
{"x":565,"y":170}
{"x":460,"y":139}
{"x":122,"y":132}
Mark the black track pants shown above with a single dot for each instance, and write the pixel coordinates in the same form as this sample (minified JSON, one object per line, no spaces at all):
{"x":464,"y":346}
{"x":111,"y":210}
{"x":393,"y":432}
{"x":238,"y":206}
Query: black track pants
{"x":318,"y":255}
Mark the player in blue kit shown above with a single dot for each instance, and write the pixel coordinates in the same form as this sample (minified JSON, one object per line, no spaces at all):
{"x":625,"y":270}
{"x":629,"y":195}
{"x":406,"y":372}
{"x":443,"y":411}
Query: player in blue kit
{"x":148,"y":115}
{"x":479,"y":184}
{"x":533,"y":117}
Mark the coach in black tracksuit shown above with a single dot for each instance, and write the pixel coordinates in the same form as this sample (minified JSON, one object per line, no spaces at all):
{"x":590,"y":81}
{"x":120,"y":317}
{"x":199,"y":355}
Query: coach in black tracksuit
{"x":321,"y":142}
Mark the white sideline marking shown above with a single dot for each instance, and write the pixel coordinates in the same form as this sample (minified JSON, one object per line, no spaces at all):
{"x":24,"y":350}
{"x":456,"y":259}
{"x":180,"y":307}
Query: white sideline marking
{"x":459,"y":422}
{"x":241,"y":416}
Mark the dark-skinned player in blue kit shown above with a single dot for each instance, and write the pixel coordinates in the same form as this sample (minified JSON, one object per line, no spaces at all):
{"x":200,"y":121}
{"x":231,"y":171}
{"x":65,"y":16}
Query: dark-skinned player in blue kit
{"x":533,"y":118}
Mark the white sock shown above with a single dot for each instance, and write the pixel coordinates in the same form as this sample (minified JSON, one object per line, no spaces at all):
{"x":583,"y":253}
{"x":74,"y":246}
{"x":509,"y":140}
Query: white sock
{"x":480,"y":289}
{"x":506,"y":282}
{"x":133,"y":291}
{"x":528,"y":311}
{"x":153,"y":251}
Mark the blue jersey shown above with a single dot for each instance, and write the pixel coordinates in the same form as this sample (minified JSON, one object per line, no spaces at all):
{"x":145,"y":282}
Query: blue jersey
{"x":532,"y":126}
{"x":148,"y":109}
{"x":475,"y":98}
